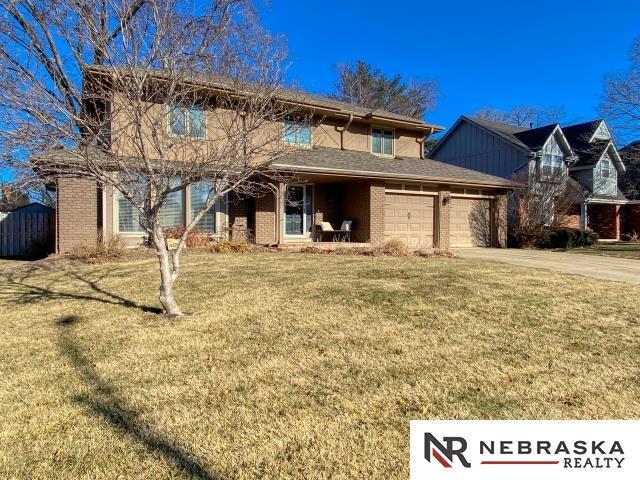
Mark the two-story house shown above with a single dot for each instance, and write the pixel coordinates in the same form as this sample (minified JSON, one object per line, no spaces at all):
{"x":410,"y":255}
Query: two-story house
{"x":349,"y":164}
{"x":584,"y":153}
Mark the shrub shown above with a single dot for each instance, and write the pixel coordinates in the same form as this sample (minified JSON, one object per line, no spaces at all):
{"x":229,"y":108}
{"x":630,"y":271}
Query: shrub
{"x":391,"y":248}
{"x":564,"y":237}
{"x":231,"y":246}
{"x":102,"y":251}
{"x":196,"y":237}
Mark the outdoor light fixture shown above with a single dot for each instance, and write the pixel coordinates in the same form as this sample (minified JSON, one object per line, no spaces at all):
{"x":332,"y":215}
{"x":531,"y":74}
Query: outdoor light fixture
{"x":446,"y":199}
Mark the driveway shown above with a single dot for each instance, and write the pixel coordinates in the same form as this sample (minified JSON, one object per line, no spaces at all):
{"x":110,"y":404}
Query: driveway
{"x":607,"y":268}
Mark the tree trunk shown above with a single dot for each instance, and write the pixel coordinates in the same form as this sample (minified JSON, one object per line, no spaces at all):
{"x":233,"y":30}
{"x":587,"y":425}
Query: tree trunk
{"x":167,"y":275}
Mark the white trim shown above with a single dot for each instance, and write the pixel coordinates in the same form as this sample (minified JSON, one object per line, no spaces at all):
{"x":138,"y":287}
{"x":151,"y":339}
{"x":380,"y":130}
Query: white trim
{"x":393,"y":142}
{"x":174,"y":135}
{"x":595,"y":130}
{"x":298,"y":144}
{"x":306,"y":229}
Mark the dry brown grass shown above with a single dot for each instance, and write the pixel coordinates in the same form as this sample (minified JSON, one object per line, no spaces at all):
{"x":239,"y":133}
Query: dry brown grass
{"x":295,"y":366}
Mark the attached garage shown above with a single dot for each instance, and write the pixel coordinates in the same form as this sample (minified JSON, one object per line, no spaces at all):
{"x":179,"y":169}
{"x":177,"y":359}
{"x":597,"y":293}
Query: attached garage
{"x":409,"y":218}
{"x":470,"y":222}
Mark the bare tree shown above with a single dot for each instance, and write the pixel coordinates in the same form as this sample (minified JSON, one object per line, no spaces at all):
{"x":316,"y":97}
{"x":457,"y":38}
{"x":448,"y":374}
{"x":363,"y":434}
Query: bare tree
{"x":523,"y":115}
{"x":147,"y":97}
{"x":547,"y":198}
{"x":621,"y":106}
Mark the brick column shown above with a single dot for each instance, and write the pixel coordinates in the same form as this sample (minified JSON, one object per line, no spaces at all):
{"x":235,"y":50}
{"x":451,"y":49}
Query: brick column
{"x":376,"y":212}
{"x":76,"y":213}
{"x":266,"y":219}
{"x":442,"y":211}
{"x":238,"y":210}
{"x":618,"y":211}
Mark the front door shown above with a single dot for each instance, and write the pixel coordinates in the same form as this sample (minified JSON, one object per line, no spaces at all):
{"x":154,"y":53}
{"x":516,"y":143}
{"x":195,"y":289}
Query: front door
{"x":298,"y":210}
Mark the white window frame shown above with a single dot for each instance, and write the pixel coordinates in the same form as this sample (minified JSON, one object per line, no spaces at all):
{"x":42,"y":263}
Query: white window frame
{"x":306,"y":232}
{"x":393,"y":140}
{"x":187,"y":122}
{"x":299,"y":124}
{"x":553,"y":158}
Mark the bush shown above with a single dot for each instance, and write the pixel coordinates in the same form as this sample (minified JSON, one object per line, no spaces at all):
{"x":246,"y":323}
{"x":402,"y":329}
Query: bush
{"x":392,"y":248}
{"x":102,"y":251}
{"x":564,"y":237}
{"x":231,"y":246}
{"x":196,"y":237}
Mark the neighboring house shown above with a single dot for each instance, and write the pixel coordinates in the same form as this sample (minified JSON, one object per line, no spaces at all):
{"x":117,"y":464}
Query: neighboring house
{"x":584,"y":153}
{"x":350,"y":163}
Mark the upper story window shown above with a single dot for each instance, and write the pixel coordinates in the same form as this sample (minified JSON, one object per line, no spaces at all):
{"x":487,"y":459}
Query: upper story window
{"x":382,"y":141}
{"x":552,"y":165}
{"x":187,"y":122}
{"x":605,"y":168}
{"x":297,"y":132}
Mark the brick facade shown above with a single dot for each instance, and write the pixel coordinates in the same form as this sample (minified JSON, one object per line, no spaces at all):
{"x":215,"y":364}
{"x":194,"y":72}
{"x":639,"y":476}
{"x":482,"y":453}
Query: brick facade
{"x":630,"y":218}
{"x":364,"y":205}
{"x":604,"y":220}
{"x":442,"y":213}
{"x":265,"y":230}
{"x":239,"y":212}
{"x":77,"y":213}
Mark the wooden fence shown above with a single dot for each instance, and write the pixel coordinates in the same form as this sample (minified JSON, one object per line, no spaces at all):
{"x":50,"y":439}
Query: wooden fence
{"x":26,"y":234}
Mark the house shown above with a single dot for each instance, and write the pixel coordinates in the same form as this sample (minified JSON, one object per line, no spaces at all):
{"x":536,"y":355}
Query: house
{"x":583,"y":153}
{"x":349,"y":163}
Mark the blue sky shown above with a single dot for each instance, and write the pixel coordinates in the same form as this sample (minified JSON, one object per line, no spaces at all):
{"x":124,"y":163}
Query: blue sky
{"x":483,"y":53}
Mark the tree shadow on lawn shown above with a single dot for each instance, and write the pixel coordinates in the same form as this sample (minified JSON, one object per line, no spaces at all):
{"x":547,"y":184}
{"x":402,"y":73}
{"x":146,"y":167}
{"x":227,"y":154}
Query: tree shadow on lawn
{"x":21,"y":289}
{"x":105,"y":403}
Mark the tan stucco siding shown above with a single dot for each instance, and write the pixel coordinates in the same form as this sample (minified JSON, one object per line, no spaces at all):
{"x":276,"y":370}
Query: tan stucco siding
{"x":220,"y":124}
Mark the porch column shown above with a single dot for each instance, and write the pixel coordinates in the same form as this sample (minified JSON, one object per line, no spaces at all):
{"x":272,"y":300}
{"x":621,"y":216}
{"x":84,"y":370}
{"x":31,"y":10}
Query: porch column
{"x":499,"y":221}
{"x":618,"y":225}
{"x":442,"y":211}
{"x":376,"y":213}
{"x":584,"y":219}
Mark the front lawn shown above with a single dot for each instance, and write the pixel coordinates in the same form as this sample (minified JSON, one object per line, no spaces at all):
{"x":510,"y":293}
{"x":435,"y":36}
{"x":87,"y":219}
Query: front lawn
{"x":621,"y":250}
{"x":294,"y":365}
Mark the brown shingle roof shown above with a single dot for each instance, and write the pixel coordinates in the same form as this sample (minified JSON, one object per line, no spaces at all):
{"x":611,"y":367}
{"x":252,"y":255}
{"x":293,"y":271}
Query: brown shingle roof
{"x":364,"y":164}
{"x":292,"y":95}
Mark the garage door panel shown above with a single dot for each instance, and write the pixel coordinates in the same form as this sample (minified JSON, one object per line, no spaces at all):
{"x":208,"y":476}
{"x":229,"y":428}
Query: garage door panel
{"x":469,"y":222}
{"x":409,"y":218}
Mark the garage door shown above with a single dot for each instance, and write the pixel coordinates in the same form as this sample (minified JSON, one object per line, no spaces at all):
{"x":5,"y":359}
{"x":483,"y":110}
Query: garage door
{"x":409,"y":218}
{"x":469,"y":223}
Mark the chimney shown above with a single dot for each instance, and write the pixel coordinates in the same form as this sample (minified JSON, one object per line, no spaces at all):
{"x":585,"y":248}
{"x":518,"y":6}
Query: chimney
{"x":530,"y":124}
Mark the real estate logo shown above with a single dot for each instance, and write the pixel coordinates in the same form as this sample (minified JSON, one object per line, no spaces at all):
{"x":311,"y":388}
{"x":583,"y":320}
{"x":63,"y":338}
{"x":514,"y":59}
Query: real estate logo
{"x":524,"y":449}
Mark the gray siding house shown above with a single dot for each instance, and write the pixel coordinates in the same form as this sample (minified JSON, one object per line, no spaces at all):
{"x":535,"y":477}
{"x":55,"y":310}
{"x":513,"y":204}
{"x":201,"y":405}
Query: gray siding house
{"x":585,"y":153}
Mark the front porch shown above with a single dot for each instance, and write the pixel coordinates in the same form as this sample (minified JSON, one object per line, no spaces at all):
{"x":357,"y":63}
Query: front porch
{"x":290,"y":215}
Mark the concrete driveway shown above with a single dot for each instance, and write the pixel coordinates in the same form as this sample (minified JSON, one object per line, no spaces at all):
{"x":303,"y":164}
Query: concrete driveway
{"x":607,"y":268}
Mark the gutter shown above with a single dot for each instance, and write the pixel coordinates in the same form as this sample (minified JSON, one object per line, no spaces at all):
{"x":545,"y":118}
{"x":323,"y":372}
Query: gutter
{"x":393,"y":176}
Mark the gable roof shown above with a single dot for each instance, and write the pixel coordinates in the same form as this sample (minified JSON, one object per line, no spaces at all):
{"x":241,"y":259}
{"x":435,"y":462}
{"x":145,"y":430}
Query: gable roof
{"x":527,"y":139}
{"x":329,"y":161}
{"x":536,"y":138}
{"x":581,"y":132}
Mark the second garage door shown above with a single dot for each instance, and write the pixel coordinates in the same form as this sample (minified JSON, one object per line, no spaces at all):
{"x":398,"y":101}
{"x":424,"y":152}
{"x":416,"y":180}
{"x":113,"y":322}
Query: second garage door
{"x":409,"y":218}
{"x":470,"y":222}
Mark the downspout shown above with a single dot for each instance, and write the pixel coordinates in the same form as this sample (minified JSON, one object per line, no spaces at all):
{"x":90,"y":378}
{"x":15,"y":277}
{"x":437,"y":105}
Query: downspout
{"x":343,"y":129}
{"x":421,"y":141}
